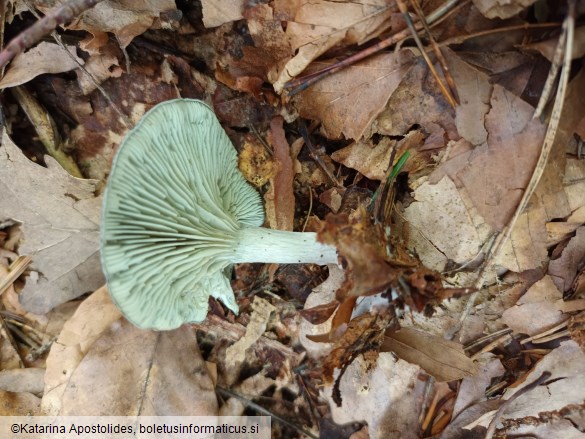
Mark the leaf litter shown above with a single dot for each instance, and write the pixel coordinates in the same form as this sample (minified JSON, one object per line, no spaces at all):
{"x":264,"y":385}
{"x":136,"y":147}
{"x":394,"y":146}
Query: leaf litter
{"x":368,"y":345}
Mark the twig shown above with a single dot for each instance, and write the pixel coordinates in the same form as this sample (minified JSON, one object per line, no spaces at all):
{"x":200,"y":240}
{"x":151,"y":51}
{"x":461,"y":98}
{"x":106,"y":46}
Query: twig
{"x":492,"y":427}
{"x":259,"y":408}
{"x":485,"y":338}
{"x":437,"y":50}
{"x":44,"y":26}
{"x":556,"y":65}
{"x":14,"y":271}
{"x":310,"y":208}
{"x":551,"y":131}
{"x":463,"y":38}
{"x":313,"y":153}
{"x":444,"y":90}
{"x":545,"y":333}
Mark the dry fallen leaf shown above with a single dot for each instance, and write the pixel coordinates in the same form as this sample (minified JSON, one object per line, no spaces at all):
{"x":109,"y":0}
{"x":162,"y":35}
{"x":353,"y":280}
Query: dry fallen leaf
{"x":125,"y":19}
{"x":322,"y":294}
{"x":442,"y":225}
{"x":564,"y":390}
{"x":18,"y":404}
{"x":43,"y":58}
{"x":103,"y":365}
{"x":564,"y":269}
{"x":501,"y":8}
{"x":320,"y":25}
{"x":29,"y":380}
{"x":280,"y":199}
{"x":386,"y":397}
{"x":540,"y":300}
{"x":60,"y":223}
{"x":218,"y":12}
{"x":443,"y":359}
{"x":348,"y":102}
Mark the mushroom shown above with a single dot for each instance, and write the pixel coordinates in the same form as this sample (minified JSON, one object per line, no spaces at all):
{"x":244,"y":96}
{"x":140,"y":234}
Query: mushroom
{"x":177,"y":213}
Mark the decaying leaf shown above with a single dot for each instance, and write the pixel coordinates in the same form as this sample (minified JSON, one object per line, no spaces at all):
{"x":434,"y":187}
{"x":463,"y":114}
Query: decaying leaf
{"x":255,"y":163}
{"x":443,"y":359}
{"x":360,"y":243}
{"x":443,"y":226}
{"x":280,"y":199}
{"x":577,"y":329}
{"x":364,"y":336}
{"x":261,"y":312}
{"x":60,"y":223}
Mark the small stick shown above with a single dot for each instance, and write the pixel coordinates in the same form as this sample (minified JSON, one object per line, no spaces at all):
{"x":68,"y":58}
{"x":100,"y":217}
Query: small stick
{"x":14,"y":271}
{"x":485,"y":338}
{"x":313,"y":153}
{"x":44,"y":26}
{"x":444,"y":90}
{"x":437,"y":50}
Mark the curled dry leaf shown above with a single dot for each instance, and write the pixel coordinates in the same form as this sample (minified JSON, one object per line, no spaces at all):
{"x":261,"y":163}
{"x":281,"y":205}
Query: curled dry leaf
{"x":321,"y":295}
{"x":361,"y":244}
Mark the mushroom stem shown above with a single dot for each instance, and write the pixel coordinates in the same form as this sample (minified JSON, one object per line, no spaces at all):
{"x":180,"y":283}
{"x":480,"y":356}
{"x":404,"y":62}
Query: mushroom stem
{"x":257,"y":244}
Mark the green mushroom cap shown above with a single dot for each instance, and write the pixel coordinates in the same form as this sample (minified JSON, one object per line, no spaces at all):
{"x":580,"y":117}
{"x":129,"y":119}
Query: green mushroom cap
{"x":174,"y":203}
